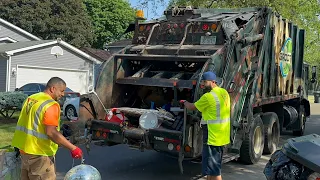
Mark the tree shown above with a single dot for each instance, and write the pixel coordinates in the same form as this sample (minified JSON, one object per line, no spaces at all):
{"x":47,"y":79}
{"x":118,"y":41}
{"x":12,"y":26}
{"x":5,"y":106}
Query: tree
{"x":52,"y":19}
{"x":110,"y":19}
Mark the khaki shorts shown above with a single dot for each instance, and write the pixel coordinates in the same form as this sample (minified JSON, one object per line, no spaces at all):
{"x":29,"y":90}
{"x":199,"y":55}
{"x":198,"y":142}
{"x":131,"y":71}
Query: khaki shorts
{"x":34,"y":167}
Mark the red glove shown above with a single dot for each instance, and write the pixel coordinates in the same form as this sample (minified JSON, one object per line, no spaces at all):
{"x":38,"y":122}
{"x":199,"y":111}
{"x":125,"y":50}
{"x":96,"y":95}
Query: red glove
{"x":181,"y":102}
{"x":76,"y":153}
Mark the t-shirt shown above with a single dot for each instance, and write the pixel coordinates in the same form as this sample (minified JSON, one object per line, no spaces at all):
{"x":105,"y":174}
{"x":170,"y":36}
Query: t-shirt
{"x":51,"y":116}
{"x":207,"y":104}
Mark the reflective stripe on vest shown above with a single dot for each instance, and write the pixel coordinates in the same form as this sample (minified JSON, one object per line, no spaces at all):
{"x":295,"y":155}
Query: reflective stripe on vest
{"x":32,"y":132}
{"x":38,"y":112}
{"x":36,"y":121}
{"x":218,"y":120}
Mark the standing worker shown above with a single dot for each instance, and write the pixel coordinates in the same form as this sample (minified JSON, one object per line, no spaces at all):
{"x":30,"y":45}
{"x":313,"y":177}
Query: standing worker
{"x":215,"y":108}
{"x":37,"y":133}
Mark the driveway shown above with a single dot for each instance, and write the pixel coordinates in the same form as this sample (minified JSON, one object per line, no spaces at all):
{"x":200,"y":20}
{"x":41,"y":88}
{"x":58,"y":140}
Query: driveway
{"x":121,"y":163}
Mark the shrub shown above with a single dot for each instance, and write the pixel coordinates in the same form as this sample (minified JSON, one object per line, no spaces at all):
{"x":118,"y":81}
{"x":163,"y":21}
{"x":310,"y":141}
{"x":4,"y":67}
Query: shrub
{"x":11,"y":102}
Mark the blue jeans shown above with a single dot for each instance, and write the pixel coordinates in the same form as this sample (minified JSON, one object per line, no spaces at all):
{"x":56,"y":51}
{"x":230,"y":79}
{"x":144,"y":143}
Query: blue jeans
{"x":211,"y":156}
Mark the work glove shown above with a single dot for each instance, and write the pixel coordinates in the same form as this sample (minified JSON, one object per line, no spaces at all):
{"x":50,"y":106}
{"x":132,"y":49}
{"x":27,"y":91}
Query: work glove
{"x":181,"y":102}
{"x":76,"y":153}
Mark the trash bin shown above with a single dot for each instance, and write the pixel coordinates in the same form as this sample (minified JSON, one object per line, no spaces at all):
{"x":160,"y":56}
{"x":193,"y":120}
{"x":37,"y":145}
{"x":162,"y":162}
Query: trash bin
{"x":316,"y":96}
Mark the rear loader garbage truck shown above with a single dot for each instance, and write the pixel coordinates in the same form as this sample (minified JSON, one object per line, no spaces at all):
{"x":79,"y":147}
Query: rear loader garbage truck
{"x":257,"y":55}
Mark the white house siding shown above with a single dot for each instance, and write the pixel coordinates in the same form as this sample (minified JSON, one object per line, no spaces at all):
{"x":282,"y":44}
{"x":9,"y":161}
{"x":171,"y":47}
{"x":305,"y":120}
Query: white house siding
{"x":42,"y":58}
{"x":6,"y":31}
{"x":3,"y":75}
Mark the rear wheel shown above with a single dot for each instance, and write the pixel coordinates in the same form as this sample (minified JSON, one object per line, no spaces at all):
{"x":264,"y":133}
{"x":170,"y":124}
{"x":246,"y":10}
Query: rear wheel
{"x":272,"y":132}
{"x":252,"y":146}
{"x":302,"y":119}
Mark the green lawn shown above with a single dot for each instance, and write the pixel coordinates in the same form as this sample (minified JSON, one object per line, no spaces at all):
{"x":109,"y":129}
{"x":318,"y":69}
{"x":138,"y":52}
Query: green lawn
{"x":7,"y":127}
{"x":6,"y":133}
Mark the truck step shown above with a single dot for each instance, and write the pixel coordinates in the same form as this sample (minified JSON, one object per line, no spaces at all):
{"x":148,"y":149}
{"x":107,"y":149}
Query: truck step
{"x":227,"y":157}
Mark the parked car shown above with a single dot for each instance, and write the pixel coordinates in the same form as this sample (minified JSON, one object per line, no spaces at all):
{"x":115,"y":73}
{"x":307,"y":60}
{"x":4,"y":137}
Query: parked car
{"x":71,"y":108}
{"x":32,"y":88}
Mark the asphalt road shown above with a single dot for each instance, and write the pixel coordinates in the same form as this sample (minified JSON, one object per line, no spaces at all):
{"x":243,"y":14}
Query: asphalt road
{"x":122,"y":163}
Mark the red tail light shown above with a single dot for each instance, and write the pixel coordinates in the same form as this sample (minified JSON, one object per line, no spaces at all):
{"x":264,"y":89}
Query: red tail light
{"x":205,"y":27}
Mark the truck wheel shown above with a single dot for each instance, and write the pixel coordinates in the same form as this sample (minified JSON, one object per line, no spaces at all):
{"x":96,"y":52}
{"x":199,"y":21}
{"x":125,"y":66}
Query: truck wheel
{"x":272,"y":132}
{"x":302,"y":118}
{"x":252,"y":146}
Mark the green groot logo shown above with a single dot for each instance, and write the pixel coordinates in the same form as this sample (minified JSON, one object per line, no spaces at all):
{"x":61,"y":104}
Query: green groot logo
{"x":285,"y":57}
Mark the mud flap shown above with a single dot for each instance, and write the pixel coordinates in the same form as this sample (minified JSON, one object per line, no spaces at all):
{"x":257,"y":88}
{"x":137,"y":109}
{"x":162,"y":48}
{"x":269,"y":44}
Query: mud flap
{"x":181,"y":152}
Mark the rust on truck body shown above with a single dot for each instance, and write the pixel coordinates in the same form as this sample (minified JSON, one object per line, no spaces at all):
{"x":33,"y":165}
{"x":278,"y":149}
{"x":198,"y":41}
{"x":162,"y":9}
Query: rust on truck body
{"x":256,"y":54}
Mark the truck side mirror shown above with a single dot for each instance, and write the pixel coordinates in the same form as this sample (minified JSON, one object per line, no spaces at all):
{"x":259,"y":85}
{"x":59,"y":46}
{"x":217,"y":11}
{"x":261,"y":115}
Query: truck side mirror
{"x":314,"y":74}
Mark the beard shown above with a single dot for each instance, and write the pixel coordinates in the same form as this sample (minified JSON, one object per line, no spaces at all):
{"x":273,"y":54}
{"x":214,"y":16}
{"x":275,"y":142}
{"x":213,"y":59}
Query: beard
{"x":207,"y":88}
{"x":56,"y":98}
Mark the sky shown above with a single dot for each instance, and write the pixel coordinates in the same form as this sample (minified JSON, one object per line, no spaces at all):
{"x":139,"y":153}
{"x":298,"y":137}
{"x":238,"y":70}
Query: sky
{"x":151,"y":11}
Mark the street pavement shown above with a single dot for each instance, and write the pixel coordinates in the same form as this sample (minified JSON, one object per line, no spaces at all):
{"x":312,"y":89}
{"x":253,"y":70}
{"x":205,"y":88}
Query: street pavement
{"x":122,"y":163}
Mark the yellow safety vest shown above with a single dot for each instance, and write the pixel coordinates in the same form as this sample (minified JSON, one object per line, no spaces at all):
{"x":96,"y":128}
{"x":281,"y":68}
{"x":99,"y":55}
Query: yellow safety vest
{"x":219,"y":122}
{"x":30,"y":135}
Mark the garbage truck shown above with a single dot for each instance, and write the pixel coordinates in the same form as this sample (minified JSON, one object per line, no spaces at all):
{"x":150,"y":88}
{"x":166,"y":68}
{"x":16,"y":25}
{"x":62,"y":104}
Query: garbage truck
{"x":257,"y":56}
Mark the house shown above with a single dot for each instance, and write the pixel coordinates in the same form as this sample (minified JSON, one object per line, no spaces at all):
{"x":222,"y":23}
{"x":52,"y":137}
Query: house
{"x":118,"y":45}
{"x":25,"y":58}
{"x":10,"y":33}
{"x":100,"y":55}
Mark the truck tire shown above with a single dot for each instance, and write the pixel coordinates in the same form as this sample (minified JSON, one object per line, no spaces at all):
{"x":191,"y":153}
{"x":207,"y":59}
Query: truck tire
{"x":302,"y":118}
{"x":252,"y":146}
{"x":271,"y":132}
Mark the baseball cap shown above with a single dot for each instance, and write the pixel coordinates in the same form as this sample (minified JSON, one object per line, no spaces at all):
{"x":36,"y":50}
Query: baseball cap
{"x":209,"y":76}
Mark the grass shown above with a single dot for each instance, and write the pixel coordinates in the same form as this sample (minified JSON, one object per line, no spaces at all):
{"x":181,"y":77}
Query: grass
{"x":7,"y":127}
{"x":311,"y":99}
{"x":6,"y":133}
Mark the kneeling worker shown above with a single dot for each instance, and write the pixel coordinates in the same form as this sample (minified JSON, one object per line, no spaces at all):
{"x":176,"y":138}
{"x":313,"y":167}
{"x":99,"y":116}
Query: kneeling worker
{"x":215,"y":108}
{"x":37,"y":133}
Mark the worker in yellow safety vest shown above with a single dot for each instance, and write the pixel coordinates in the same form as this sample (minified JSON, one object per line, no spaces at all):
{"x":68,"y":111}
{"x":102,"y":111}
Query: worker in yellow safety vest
{"x":215,"y":108}
{"x":37,"y":133}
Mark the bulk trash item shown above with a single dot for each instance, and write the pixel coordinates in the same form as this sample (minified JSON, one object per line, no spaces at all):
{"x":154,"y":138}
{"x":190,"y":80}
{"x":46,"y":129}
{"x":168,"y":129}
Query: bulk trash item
{"x":280,"y":167}
{"x":83,"y":172}
{"x":297,"y":159}
{"x":115,"y":115}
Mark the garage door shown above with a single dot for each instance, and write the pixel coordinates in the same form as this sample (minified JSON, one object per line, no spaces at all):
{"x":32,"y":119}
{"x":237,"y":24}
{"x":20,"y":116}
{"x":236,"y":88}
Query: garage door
{"x":76,"y":80}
